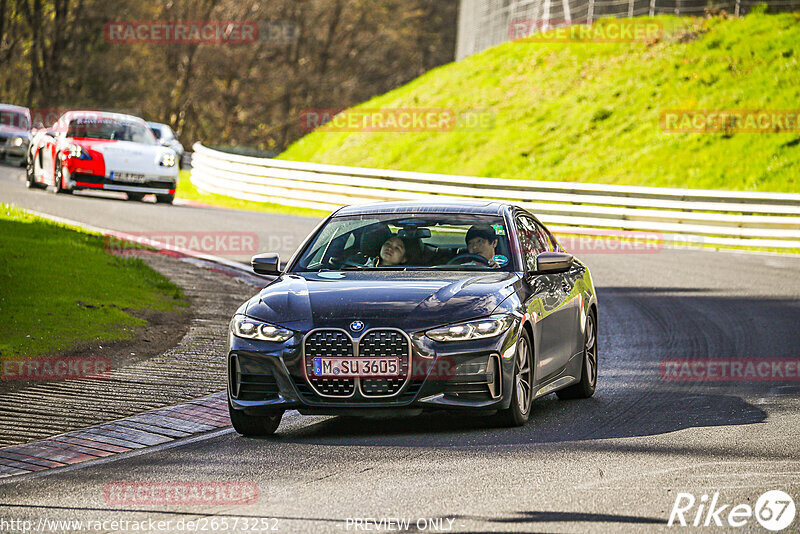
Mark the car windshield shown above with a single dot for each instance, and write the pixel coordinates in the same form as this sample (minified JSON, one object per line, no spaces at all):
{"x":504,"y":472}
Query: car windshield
{"x":14,"y":119}
{"x":409,"y":242}
{"x":156,"y":132}
{"x":112,"y":129}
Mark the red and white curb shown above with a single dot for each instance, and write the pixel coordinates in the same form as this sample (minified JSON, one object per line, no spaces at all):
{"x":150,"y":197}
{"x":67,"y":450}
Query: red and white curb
{"x":139,"y":431}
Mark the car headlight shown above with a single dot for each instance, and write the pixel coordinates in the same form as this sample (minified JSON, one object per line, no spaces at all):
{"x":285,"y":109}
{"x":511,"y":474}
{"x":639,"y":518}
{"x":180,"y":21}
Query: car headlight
{"x":18,"y":141}
{"x":491,"y":326}
{"x":167,"y":160}
{"x":248,"y":328}
{"x":77,"y":152}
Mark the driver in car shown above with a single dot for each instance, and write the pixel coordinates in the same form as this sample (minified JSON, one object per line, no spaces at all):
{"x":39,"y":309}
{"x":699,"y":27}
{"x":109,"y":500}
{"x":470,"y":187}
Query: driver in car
{"x":482,"y":241}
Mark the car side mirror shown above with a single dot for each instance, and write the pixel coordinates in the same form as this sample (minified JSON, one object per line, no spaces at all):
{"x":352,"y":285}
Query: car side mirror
{"x":267,"y":264}
{"x":553,"y":262}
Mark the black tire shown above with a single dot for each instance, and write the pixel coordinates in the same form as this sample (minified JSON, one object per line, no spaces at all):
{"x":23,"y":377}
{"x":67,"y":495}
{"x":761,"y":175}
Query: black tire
{"x":588,"y":383}
{"x":59,"y":174}
{"x":165,"y":199}
{"x":138,"y":197}
{"x":254,"y":426}
{"x":30,"y":176}
{"x":518,"y":413}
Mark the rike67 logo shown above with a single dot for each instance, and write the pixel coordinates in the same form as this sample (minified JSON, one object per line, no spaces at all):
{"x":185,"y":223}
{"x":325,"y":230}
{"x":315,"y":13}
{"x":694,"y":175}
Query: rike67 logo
{"x":774,"y":510}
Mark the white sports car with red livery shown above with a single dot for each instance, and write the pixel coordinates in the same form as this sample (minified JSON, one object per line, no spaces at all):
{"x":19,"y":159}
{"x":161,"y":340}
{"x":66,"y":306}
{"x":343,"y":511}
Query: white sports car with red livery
{"x":94,"y":150}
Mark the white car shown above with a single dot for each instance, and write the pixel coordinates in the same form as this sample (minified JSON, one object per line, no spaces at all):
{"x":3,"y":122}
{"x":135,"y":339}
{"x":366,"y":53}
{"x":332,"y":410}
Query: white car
{"x":96,"y":150}
{"x":167,"y":137}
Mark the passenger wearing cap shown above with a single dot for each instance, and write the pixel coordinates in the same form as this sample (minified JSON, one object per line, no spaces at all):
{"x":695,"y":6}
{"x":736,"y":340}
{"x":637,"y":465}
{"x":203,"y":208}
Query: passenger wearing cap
{"x":482,"y":241}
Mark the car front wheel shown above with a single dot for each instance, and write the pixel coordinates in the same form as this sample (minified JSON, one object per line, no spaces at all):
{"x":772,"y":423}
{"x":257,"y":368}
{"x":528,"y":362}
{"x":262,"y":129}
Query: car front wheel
{"x":252,"y":425}
{"x":519,"y":411}
{"x":59,"y":179}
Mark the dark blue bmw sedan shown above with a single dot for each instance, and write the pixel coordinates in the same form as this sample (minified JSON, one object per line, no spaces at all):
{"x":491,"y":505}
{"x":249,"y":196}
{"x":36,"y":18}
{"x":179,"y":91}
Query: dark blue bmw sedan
{"x":403,"y":307}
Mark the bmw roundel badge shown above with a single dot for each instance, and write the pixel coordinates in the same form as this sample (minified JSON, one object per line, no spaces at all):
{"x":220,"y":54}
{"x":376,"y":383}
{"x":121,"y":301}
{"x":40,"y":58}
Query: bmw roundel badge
{"x":357,"y":326}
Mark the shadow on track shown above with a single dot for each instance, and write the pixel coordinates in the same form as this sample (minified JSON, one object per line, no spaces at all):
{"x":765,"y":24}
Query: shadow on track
{"x":552,"y":421}
{"x":564,"y":517}
{"x":639,"y":328}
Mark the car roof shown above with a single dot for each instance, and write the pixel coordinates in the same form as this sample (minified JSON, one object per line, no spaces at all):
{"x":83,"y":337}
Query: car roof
{"x":12,"y":107}
{"x":106,"y":114}
{"x":478,"y":207}
{"x":156,"y":125}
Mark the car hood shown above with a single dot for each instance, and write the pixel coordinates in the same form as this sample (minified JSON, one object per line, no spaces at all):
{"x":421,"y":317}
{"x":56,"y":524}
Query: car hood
{"x":408,"y":300}
{"x":126,"y":156}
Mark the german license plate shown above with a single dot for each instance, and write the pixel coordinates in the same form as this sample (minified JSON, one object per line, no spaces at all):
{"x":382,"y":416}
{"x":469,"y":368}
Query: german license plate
{"x":129,"y":177}
{"x":352,"y":367}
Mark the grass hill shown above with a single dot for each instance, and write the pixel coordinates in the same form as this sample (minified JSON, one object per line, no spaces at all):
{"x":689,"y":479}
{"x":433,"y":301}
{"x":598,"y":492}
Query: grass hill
{"x":590,"y":112}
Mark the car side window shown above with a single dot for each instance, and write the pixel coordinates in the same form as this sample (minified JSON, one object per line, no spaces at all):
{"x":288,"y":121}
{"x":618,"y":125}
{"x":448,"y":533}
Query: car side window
{"x":553,"y":241}
{"x":530,"y":241}
{"x":545,"y":238}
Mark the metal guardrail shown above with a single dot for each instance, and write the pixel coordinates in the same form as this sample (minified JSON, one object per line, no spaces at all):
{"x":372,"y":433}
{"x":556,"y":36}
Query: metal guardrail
{"x":681,"y":216}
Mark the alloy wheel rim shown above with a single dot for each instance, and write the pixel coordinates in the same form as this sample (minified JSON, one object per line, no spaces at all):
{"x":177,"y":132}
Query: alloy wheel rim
{"x":522,"y":377}
{"x":590,"y":348}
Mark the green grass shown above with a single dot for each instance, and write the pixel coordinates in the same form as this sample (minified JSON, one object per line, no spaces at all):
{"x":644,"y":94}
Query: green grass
{"x":60,"y":289}
{"x":589,"y":112}
{"x":187,"y":191}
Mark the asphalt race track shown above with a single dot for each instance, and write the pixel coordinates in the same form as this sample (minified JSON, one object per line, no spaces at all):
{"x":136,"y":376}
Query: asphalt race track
{"x":613,"y":463}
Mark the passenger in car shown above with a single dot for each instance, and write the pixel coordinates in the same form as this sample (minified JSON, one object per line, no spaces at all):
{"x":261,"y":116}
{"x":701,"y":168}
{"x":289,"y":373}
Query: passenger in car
{"x":371,"y":241}
{"x":393,"y":252}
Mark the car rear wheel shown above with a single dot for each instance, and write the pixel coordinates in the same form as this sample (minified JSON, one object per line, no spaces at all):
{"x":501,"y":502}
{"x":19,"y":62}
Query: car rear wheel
{"x":165,"y":199}
{"x":138,"y":197}
{"x":585,"y":388}
{"x":252,"y":425}
{"x":30,"y":175}
{"x":519,"y":411}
